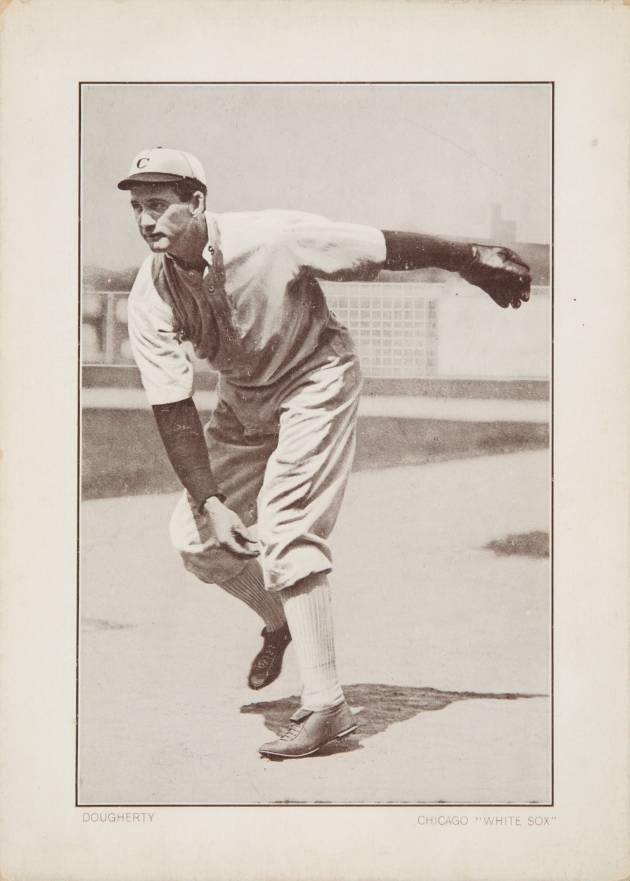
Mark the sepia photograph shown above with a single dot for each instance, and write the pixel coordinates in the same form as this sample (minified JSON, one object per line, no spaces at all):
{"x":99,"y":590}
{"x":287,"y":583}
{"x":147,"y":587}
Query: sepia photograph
{"x":315,"y":521}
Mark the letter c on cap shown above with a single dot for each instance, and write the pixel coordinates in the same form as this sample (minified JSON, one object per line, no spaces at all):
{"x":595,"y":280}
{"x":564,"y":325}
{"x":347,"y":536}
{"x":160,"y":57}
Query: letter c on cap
{"x":142,"y":161}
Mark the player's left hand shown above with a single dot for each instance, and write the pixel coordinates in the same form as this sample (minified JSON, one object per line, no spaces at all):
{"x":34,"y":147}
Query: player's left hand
{"x":501,"y":273}
{"x":228,"y":531}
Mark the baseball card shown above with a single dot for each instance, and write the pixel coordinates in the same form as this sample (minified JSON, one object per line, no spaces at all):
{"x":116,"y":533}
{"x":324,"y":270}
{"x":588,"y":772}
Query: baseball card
{"x":321,"y":405}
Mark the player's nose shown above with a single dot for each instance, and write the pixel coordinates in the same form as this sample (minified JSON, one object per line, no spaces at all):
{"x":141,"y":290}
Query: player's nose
{"x":145,"y":221}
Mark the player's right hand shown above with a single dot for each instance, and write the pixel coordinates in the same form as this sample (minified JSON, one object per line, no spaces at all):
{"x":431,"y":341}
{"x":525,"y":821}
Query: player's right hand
{"x":501,"y":273}
{"x":229,"y":531}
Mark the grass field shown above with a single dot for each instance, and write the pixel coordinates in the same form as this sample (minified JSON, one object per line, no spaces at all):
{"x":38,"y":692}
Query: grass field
{"x":123,"y":454}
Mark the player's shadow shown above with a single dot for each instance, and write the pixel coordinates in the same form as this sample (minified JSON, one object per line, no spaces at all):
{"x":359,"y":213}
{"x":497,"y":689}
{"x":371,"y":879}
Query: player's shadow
{"x":377,"y":707}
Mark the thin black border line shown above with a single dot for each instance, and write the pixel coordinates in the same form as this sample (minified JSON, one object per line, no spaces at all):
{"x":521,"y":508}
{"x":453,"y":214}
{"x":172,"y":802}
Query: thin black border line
{"x":552,"y":435}
{"x":529,"y":805}
{"x":315,"y":83}
{"x":532,"y":806}
{"x":79,"y":448}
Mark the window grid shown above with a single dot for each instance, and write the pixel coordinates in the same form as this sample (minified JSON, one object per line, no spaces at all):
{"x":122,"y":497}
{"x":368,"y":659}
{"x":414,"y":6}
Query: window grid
{"x":394,"y":326}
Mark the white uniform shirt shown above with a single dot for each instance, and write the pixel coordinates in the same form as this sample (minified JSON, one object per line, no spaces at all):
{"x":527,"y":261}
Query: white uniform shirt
{"x":268,"y":309}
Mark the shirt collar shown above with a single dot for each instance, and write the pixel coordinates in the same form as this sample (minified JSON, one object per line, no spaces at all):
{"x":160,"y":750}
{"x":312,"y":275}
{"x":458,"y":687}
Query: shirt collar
{"x":213,"y":236}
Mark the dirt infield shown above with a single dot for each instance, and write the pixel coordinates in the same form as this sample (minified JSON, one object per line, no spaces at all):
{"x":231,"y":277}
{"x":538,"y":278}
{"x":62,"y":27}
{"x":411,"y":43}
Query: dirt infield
{"x":443,"y":647}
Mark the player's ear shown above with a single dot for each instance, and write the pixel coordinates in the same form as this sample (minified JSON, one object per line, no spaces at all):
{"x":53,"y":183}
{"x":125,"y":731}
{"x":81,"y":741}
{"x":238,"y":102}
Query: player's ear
{"x":198,"y":203}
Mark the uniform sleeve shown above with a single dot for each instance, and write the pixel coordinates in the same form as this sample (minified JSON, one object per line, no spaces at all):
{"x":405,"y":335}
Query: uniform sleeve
{"x":165,"y":370}
{"x":335,"y":251}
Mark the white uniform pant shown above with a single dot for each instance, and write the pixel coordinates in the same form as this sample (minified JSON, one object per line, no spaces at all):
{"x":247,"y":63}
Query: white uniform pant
{"x":282,"y":456}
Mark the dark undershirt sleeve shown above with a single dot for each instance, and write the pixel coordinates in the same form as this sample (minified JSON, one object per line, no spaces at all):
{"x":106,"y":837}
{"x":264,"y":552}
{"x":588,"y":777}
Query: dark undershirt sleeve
{"x":407,"y":250}
{"x":182,"y":435}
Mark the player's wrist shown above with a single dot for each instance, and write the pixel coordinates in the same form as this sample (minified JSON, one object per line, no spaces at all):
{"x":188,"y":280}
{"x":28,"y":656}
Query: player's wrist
{"x":473,"y":257}
{"x":212,"y":503}
{"x":463,"y":255}
{"x":405,"y":251}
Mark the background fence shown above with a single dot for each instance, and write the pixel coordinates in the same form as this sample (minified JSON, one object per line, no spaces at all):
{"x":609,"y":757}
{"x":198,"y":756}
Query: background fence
{"x":402,"y":330}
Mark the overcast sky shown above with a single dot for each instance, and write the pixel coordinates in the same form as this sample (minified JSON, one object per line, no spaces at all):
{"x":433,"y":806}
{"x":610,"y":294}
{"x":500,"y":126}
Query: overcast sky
{"x":430,"y":158}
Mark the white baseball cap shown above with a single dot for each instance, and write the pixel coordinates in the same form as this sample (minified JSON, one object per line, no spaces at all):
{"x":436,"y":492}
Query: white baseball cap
{"x":161,"y":164}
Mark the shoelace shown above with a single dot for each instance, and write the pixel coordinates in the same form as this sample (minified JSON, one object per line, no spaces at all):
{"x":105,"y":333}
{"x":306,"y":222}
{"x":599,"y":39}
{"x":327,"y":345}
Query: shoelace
{"x":292,"y":731}
{"x":266,"y":657}
{"x":268,"y":651}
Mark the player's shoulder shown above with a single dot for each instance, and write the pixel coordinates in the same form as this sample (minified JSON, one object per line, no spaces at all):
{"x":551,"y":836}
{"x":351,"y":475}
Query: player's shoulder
{"x":268,"y":233}
{"x":270,"y":222}
{"x":143,"y":279}
{"x":144,"y":299}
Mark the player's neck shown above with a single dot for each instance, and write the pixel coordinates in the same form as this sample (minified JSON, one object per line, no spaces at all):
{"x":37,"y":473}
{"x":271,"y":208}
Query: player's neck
{"x":188,"y":251}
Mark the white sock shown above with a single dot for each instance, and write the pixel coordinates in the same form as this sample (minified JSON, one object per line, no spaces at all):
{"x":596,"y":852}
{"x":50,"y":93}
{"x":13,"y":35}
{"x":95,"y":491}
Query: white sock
{"x":308,"y":609}
{"x":250,"y":589}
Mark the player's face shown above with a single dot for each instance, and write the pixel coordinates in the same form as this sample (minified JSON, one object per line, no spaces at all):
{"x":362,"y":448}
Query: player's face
{"x":162,"y":218}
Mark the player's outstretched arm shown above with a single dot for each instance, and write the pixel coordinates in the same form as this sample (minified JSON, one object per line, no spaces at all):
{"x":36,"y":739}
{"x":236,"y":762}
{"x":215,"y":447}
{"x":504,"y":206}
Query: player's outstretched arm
{"x":498,"y":271}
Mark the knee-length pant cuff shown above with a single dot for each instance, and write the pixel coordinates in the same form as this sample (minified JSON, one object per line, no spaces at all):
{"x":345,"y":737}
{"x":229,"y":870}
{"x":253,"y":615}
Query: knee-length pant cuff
{"x":299,"y":564}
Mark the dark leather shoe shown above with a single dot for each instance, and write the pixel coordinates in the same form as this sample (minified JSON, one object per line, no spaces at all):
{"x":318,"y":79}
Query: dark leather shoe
{"x":267,"y":664}
{"x":309,"y":730}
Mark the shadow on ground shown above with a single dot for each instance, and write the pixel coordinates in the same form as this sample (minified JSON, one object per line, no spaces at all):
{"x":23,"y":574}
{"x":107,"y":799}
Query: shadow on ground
{"x":525,"y":544}
{"x":377,"y":706}
{"x":97,"y":624}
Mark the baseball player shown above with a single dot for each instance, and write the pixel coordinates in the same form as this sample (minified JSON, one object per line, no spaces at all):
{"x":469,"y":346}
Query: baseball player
{"x":264,"y":484}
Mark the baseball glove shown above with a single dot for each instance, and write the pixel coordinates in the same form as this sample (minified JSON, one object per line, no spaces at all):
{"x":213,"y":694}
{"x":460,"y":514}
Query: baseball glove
{"x":500,"y":273}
